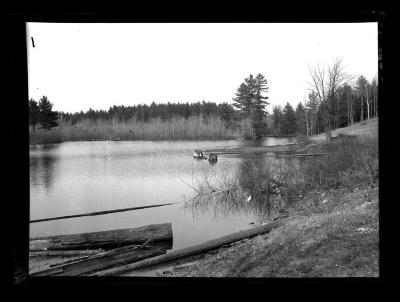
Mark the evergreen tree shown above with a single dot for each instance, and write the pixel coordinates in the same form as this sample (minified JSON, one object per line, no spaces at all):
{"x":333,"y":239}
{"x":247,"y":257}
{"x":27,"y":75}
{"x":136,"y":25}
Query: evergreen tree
{"x":47,"y":118}
{"x":289,"y":120}
{"x":33,"y":114}
{"x":251,"y":102}
{"x":243,"y":100}
{"x":361,"y":86}
{"x":260,"y":102}
{"x":278,"y":120}
{"x":312,"y":108}
{"x":301,"y":126}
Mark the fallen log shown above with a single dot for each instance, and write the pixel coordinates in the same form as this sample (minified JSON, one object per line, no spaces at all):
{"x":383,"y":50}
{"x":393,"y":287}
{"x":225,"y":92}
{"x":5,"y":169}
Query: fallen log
{"x":189,"y":251}
{"x":303,"y":154}
{"x":105,"y":239}
{"x":69,"y":261}
{"x":100,"y":212}
{"x":120,"y":256}
{"x":72,"y":253}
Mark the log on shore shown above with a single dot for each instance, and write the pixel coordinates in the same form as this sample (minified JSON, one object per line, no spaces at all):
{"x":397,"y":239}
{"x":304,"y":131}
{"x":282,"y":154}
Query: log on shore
{"x":303,"y":154}
{"x":100,"y":212}
{"x":66,"y":254}
{"x":101,"y":261}
{"x":104,"y":239}
{"x":189,"y":251}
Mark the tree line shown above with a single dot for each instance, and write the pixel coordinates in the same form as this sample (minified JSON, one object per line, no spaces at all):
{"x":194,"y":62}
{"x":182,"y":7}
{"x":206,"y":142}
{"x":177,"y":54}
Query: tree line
{"x":335,"y":100}
{"x":144,"y":113}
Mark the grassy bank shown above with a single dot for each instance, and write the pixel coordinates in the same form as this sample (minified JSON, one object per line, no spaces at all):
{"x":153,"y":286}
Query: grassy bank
{"x":330,"y":230}
{"x":194,"y":128}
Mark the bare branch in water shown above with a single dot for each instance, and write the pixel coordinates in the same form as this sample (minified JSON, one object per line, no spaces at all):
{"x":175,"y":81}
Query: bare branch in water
{"x":189,"y":185}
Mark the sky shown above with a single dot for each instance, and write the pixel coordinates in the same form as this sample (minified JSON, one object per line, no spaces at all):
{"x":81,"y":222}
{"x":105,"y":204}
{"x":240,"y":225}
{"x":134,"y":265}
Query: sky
{"x":98,"y":65}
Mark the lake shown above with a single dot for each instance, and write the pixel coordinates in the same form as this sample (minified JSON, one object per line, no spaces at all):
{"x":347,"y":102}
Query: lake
{"x":80,"y":177}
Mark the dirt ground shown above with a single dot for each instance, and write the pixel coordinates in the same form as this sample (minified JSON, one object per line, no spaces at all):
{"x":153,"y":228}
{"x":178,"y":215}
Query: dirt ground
{"x":327,"y":234}
{"x":333,"y":234}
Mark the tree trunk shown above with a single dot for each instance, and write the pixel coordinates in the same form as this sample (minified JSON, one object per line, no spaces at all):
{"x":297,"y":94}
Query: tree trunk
{"x":362,"y":109}
{"x":193,"y":250}
{"x":348,"y":109}
{"x":327,"y":126}
{"x":338,"y":112}
{"x":367,"y":99}
{"x":104,"y":239}
{"x":307,"y":126}
{"x":106,"y":260}
{"x":328,"y":133}
{"x":351,"y":110}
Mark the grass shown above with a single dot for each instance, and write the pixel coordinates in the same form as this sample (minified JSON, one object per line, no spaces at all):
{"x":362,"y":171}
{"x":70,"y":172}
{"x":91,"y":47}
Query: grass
{"x":348,"y":161}
{"x":331,"y":231}
{"x":194,"y":128}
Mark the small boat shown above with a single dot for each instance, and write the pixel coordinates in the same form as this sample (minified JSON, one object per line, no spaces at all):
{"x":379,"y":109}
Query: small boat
{"x":198,"y":154}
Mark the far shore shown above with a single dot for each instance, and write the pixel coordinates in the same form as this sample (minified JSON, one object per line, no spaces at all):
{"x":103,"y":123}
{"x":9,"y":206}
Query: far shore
{"x":95,"y":133}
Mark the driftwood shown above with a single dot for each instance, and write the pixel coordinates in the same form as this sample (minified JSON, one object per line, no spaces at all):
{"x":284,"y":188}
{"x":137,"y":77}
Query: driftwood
{"x":193,"y":250}
{"x":100,"y":212}
{"x":69,"y":261}
{"x":101,"y":261}
{"x":305,"y":154}
{"x":104,"y":239}
{"x":72,"y":253}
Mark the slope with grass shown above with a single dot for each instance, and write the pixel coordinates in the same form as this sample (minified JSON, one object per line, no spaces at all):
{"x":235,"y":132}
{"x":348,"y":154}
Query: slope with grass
{"x":332,"y":231}
{"x":365,"y":128}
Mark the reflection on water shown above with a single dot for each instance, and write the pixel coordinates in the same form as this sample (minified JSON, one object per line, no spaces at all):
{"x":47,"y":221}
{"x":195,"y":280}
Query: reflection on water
{"x":74,"y":178}
{"x":251,"y":188}
{"x":42,"y":166}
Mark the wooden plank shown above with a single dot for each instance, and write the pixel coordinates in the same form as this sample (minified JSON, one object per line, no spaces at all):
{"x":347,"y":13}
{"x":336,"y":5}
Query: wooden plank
{"x":119,"y":256}
{"x":100,"y":212}
{"x":105,"y":239}
{"x":193,"y":250}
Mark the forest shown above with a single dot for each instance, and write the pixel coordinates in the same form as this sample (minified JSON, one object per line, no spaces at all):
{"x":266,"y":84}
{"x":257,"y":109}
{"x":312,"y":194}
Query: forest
{"x":335,"y":99}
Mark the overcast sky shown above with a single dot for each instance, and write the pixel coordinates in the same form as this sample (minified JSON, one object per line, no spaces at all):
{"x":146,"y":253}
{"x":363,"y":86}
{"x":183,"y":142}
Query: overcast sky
{"x":82,"y":66}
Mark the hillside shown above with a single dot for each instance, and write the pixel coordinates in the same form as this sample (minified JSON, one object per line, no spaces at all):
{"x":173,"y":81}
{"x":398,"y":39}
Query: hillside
{"x":332,"y":231}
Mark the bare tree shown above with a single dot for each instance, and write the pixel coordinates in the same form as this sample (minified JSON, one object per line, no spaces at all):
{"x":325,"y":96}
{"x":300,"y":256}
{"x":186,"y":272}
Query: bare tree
{"x":361,"y":86}
{"x":326,"y":85}
{"x":374,"y":87}
{"x":349,"y":101}
{"x":312,"y":106}
{"x":367,"y":98}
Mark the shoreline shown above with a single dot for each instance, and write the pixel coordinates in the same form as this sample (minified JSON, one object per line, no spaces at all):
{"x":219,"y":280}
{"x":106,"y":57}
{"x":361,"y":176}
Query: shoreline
{"x":328,"y":233}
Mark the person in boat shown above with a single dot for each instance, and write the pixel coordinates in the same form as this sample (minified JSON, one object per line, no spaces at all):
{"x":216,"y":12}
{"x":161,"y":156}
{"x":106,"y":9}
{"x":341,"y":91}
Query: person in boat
{"x":212,"y":157}
{"x":198,"y":154}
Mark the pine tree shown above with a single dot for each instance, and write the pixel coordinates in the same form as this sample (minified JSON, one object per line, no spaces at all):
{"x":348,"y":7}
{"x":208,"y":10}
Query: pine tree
{"x":361,"y":86}
{"x":260,"y":102}
{"x":301,"y":126}
{"x":278,"y":120}
{"x":251,"y":102}
{"x":312,"y":107}
{"x":47,"y":118}
{"x":33,"y":114}
{"x":289,"y":120}
{"x":243,"y":100}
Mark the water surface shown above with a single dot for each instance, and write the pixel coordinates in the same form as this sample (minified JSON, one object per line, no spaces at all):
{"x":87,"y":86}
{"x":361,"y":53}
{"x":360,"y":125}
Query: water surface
{"x":79,"y":177}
